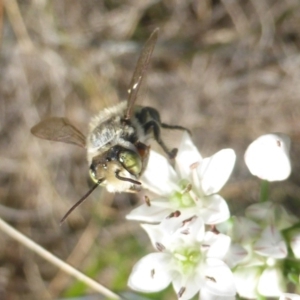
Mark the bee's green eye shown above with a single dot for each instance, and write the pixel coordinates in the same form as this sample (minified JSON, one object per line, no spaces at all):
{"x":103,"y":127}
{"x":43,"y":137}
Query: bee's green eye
{"x":131,"y":161}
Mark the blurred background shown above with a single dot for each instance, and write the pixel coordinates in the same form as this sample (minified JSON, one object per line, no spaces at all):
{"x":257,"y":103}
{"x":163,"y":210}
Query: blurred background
{"x":229,"y":70}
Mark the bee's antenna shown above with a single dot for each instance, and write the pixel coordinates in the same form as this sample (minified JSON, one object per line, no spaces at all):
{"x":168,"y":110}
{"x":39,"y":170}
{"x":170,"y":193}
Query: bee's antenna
{"x":126,"y":179}
{"x":81,"y":200}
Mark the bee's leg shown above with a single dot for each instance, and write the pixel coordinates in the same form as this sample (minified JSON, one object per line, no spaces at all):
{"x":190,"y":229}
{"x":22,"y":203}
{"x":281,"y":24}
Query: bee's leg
{"x":151,"y":113}
{"x":147,"y":114}
{"x":154,"y":127}
{"x":176,"y":127}
{"x":150,"y":118}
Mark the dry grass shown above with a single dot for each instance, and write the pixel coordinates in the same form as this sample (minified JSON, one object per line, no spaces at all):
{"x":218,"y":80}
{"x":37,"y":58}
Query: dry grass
{"x":229,"y":70}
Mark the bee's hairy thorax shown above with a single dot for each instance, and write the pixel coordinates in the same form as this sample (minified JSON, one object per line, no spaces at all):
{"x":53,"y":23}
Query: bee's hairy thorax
{"x":109,"y":128}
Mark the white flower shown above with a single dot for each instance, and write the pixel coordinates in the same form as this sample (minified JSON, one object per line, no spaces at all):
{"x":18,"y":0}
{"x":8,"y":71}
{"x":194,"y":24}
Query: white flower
{"x":189,"y":189}
{"x":189,"y":258}
{"x":261,"y":272}
{"x":268,"y":157}
{"x":256,"y":253}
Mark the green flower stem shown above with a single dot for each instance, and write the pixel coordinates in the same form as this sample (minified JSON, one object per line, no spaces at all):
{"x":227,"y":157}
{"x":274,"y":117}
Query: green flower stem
{"x":264,"y":191}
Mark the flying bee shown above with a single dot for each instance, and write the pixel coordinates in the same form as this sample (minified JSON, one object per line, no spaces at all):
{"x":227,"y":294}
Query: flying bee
{"x":118,"y":141}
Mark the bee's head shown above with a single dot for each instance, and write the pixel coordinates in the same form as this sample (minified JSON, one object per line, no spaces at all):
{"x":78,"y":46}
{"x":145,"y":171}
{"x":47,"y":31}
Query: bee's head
{"x":119,"y":169}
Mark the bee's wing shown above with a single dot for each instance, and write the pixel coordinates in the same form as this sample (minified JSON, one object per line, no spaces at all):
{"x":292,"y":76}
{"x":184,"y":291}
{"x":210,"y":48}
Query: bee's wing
{"x":139,"y":71}
{"x":60,"y":130}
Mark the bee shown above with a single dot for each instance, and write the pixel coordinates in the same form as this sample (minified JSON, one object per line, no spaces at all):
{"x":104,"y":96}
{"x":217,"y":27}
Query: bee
{"x":118,"y":141}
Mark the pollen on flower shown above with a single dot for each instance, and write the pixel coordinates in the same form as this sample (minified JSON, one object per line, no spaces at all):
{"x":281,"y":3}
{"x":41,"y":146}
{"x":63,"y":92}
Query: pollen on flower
{"x":214,"y":229}
{"x":185,"y":231}
{"x":195,"y":165}
{"x":181,"y":291}
{"x":186,"y":221}
{"x":152,"y":273}
{"x":204,"y":246}
{"x":174,"y":214}
{"x":187,"y":188}
{"x":211,"y":279}
{"x":147,"y":201}
{"x":160,"y":247}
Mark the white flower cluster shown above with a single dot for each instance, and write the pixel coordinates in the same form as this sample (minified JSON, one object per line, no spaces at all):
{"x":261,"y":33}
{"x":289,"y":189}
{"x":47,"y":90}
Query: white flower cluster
{"x":199,"y":248}
{"x":258,"y":249}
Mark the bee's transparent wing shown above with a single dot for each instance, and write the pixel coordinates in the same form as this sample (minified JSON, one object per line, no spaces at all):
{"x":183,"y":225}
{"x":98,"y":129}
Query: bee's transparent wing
{"x":60,"y":130}
{"x":139,"y":71}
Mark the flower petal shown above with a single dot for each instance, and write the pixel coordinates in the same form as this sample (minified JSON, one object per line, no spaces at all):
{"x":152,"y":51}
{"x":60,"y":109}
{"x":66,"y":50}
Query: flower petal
{"x":159,"y":238}
{"x":271,"y":283}
{"x":235,"y":255}
{"x":246,"y":279}
{"x":268,"y":157}
{"x":244,"y":230}
{"x":187,"y":228}
{"x":218,"y":244}
{"x":187,"y":287}
{"x":151,"y":214}
{"x":187,"y":155}
{"x":150,"y":274}
{"x":219,"y":278}
{"x":214,"y":171}
{"x":159,"y":176}
{"x":205,"y":295}
{"x":214,"y":209}
{"x":271,"y":244}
